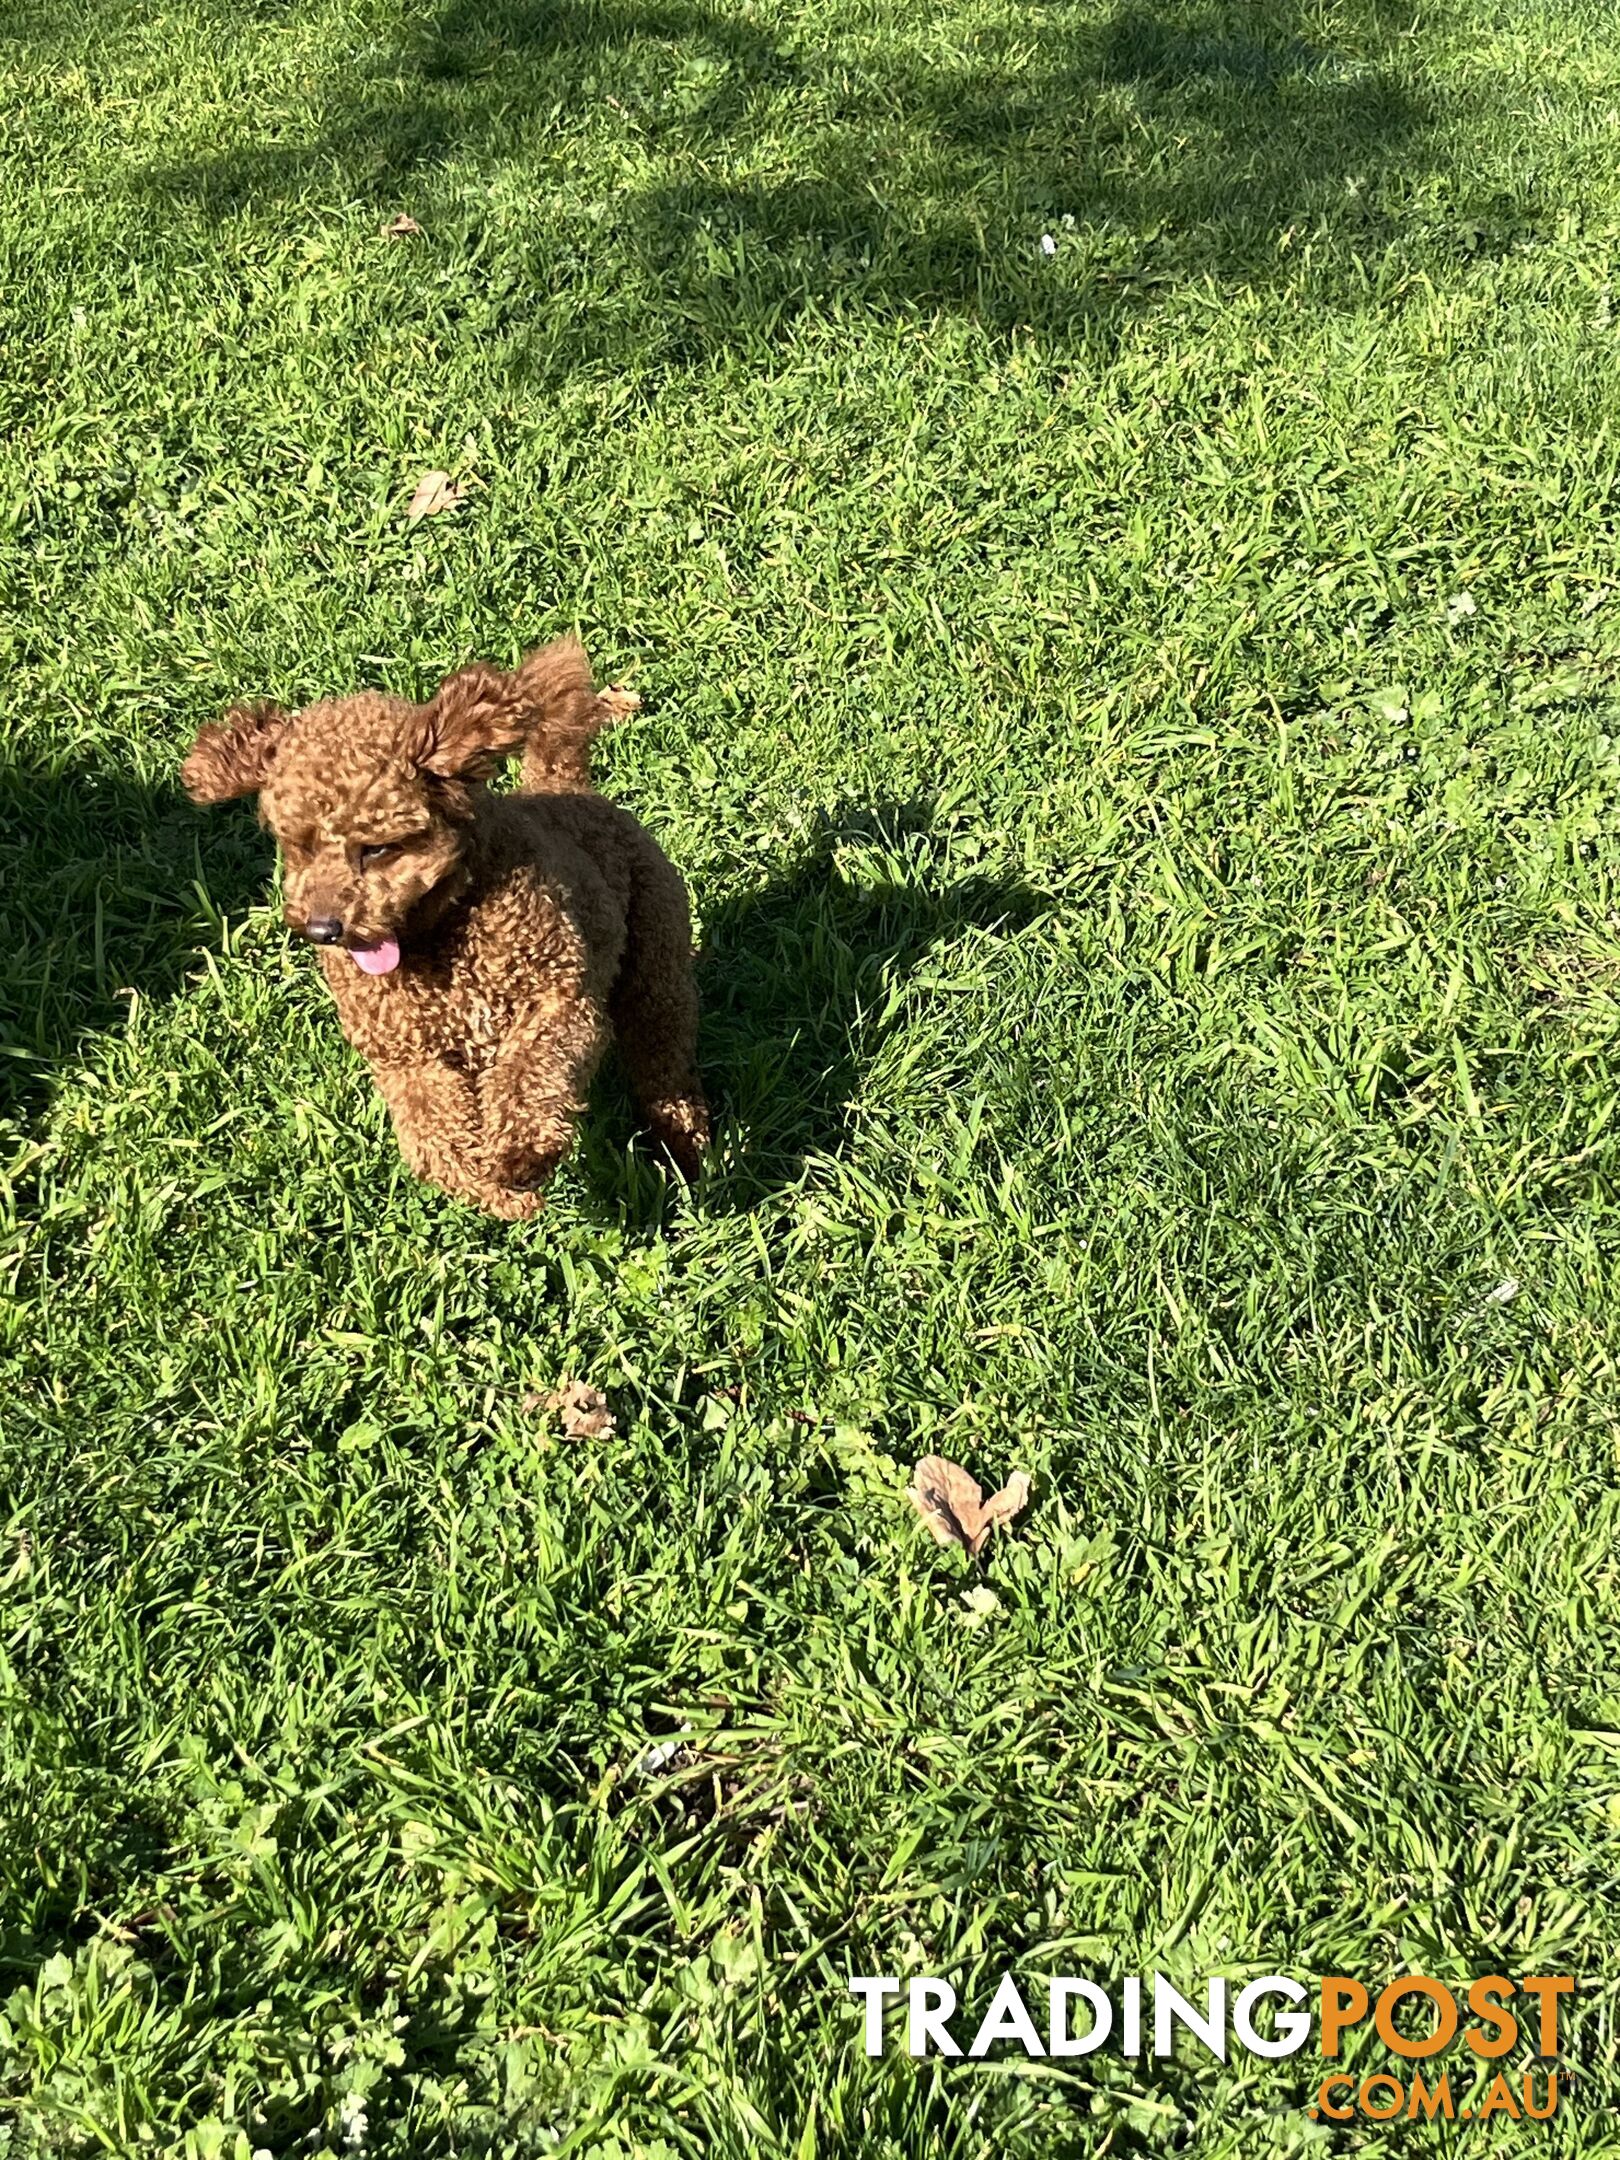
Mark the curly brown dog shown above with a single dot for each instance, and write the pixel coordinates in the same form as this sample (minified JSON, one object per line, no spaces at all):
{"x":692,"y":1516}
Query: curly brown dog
{"x":480,"y":947}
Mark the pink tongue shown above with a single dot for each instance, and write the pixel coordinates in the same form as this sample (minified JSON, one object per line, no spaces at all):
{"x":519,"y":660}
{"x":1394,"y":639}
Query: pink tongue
{"x":379,"y":959}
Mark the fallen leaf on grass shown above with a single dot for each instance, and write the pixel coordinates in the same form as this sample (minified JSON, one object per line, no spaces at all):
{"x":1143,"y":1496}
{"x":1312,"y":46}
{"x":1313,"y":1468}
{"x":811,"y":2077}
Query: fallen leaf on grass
{"x":584,"y":1410}
{"x":402,"y":228}
{"x":947,"y":1499}
{"x":435,"y":491}
{"x":1002,"y":1506}
{"x":953,"y":1505}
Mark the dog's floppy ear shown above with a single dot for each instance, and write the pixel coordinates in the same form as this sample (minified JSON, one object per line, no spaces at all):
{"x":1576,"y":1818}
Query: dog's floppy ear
{"x":234,"y":756}
{"x":548,"y":707}
{"x":477,"y":718}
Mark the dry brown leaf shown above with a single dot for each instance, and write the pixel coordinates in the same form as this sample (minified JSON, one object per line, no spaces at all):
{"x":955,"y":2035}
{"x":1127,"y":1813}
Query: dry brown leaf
{"x":1001,"y":1507}
{"x":584,"y":1410}
{"x":953,"y":1505}
{"x":435,"y":491}
{"x":402,"y":228}
{"x":618,"y":703}
{"x":947,"y":1499}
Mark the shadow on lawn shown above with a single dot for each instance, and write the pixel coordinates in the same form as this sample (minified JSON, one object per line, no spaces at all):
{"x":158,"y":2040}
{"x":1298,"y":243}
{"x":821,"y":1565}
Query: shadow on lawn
{"x":100,"y":1840}
{"x":796,"y":978}
{"x":101,"y":877}
{"x":762,"y":169}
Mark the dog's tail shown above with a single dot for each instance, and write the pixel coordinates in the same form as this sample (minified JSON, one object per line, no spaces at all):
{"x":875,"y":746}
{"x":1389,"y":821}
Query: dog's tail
{"x":565,"y":713}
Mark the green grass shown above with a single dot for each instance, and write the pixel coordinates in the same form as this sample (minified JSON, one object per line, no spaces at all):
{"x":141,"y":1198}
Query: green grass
{"x":1140,"y":724}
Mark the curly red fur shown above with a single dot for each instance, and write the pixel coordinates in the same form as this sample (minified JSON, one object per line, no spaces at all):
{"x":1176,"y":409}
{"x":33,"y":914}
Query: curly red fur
{"x":530,"y":927}
{"x":549,"y":708}
{"x":234,"y":756}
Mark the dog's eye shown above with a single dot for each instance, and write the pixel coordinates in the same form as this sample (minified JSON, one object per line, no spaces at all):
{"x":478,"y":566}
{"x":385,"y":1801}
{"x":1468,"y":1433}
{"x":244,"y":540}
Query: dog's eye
{"x":381,"y":853}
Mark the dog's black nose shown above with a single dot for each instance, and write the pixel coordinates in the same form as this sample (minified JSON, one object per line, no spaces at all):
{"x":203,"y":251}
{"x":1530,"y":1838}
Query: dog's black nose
{"x":323,"y":930}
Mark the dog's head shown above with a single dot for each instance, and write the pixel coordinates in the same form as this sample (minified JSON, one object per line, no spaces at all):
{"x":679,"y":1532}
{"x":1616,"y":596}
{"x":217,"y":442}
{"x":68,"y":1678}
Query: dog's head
{"x":370,"y":798}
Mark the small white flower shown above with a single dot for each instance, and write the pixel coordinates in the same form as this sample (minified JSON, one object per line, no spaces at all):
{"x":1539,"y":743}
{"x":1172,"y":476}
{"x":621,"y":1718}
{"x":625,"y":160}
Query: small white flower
{"x":1048,"y":244}
{"x":1459,"y":605}
{"x":352,"y":2115}
{"x":1068,"y":221}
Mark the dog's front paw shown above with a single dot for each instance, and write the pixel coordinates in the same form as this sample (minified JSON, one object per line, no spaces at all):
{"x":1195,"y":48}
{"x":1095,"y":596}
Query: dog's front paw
{"x":523,"y":1168}
{"x":511,"y":1205}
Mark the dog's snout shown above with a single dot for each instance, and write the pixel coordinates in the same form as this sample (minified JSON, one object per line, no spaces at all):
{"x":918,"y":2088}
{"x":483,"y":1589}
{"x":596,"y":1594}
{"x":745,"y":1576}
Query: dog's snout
{"x":323,"y":930}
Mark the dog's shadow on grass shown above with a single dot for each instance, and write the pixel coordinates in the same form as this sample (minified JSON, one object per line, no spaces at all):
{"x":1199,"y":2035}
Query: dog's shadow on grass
{"x":801,"y":979}
{"x":111,"y":887}
{"x":115,"y":886}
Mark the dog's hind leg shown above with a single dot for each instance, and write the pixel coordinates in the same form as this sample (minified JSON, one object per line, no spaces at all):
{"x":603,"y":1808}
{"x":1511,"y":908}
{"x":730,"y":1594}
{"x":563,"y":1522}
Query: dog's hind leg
{"x":654,"y":1009}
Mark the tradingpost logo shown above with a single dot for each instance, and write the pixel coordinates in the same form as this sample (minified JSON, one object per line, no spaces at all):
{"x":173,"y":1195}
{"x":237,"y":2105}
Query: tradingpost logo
{"x":1417,"y":2020}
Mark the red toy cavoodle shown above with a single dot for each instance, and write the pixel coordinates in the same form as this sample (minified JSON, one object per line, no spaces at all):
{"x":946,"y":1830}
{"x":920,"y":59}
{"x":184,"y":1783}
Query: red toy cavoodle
{"x":480,"y":947}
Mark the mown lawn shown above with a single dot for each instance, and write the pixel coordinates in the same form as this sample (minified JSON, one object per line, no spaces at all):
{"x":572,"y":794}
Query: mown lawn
{"x":1139,"y":720}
